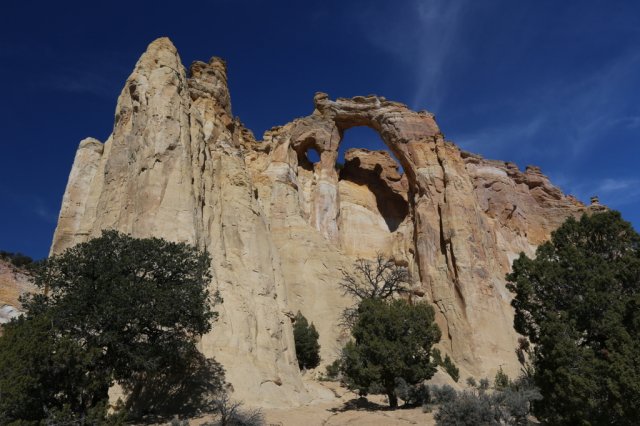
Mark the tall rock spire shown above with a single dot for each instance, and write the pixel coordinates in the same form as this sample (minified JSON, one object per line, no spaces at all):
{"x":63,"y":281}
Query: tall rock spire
{"x":173,"y":168}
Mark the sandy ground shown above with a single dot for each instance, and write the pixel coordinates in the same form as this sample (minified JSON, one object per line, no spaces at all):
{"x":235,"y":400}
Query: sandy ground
{"x":345,"y":409}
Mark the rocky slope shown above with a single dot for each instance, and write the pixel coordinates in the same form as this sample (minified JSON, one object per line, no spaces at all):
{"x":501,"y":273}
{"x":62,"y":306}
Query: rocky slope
{"x":14,"y":282}
{"x":281,"y":229}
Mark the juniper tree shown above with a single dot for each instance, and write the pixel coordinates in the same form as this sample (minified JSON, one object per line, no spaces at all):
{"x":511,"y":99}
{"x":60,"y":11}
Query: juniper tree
{"x":125,"y":311}
{"x":392,"y":340}
{"x":306,"y":341}
{"x":578,"y":302}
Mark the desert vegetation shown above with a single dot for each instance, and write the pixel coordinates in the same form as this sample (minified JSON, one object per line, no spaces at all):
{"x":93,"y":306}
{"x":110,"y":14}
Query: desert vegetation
{"x":113,"y":311}
{"x":18,"y":260}
{"x":578,"y":304}
{"x":306,"y":340}
{"x":392,"y":338}
{"x":123,"y":313}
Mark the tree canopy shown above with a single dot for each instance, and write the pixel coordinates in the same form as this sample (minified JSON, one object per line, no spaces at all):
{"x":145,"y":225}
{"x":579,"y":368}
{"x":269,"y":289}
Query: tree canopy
{"x":115,"y":309}
{"x":392,"y":340}
{"x":578,"y":301}
{"x":306,"y":341}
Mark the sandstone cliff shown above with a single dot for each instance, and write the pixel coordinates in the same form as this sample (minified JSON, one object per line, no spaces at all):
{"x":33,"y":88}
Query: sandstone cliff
{"x":14,"y":282}
{"x":281,"y":229}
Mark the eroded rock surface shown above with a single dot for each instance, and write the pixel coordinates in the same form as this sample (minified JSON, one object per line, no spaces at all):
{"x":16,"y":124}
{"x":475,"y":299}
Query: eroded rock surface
{"x":14,"y":282}
{"x":281,"y":229}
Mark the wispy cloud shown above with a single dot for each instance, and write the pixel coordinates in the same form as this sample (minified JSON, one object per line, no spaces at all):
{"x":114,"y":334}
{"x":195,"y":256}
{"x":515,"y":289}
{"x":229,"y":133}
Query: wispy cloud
{"x":83,"y":82}
{"x":421,"y":35}
{"x":491,"y":139}
{"x":563,"y":120}
{"x":615,"y":192}
{"x":44,"y":212}
{"x":95,"y":72}
{"x":609,"y":185}
{"x":31,"y":205}
{"x":558,"y":116}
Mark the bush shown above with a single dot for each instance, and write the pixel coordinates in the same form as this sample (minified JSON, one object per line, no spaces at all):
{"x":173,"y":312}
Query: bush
{"x":510,"y":406}
{"x":466,"y":408}
{"x":412,"y":395}
{"x":231,"y":413}
{"x":333,"y":370}
{"x":436,"y":355}
{"x":306,"y":340}
{"x":16,"y":259}
{"x":451,"y":368}
{"x":502,"y":380}
{"x":447,"y":364}
{"x":484,"y":384}
{"x":513,"y":406}
{"x":442,"y":394}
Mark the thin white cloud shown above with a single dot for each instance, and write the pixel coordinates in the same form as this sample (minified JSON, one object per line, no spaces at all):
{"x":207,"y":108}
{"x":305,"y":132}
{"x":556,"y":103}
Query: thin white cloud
{"x":491,"y":140}
{"x":564,"y":120}
{"x":610,"y":185}
{"x":421,"y":35}
{"x":83,"y":82}
{"x":615,"y":192}
{"x":31,"y":204}
{"x":44,"y":212}
{"x":96,"y":72}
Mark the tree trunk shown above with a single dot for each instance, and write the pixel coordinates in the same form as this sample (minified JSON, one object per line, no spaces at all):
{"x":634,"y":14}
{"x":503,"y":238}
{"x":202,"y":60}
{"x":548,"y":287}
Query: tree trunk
{"x":393,"y":399}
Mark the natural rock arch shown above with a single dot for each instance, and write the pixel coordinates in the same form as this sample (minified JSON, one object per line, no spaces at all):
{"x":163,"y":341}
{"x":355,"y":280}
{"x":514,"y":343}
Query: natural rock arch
{"x":416,"y":141}
{"x":178,"y":165}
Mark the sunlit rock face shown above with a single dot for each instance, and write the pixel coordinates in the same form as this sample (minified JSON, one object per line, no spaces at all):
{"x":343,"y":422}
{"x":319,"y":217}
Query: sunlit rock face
{"x":14,"y":282}
{"x":281,"y":229}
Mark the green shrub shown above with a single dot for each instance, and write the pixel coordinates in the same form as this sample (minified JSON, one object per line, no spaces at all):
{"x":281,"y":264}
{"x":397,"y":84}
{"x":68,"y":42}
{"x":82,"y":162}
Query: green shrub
{"x":306,"y":340}
{"x":333,"y":370}
{"x":17,"y":259}
{"x":466,"y":408}
{"x":501,"y":380}
{"x":451,"y":368}
{"x":412,"y":395}
{"x":436,"y":355}
{"x":447,"y":364}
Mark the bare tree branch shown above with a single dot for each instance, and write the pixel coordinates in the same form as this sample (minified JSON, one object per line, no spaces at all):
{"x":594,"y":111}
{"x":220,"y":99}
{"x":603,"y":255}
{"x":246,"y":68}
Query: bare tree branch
{"x":380,"y":279}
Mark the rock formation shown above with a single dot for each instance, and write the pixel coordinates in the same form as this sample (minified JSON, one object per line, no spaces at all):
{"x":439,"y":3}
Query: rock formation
{"x":281,"y":229}
{"x":14,"y":282}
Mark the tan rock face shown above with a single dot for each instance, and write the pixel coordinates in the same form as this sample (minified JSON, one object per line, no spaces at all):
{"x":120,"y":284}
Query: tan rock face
{"x":14,"y":282}
{"x":281,"y":229}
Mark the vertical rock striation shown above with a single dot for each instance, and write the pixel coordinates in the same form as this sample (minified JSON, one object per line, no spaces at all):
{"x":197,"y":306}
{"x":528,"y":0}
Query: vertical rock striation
{"x":281,"y":230}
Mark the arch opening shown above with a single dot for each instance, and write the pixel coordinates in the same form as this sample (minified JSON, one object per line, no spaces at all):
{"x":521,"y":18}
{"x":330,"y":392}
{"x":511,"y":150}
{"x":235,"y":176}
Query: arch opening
{"x":365,"y":160}
{"x":308,"y":156}
{"x":363,"y":136}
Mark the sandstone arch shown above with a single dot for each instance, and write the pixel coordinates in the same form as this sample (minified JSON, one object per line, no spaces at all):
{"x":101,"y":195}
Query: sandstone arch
{"x":419,"y":146}
{"x":178,"y":165}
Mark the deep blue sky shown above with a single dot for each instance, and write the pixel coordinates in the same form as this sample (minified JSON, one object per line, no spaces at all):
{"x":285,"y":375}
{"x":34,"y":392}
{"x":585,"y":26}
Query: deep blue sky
{"x":550,"y":83}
